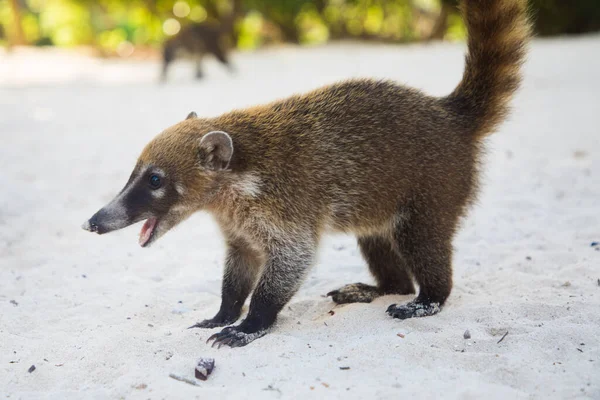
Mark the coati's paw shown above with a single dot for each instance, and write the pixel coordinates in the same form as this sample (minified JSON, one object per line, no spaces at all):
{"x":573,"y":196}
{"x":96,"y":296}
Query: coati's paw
{"x":355,"y":293}
{"x":413,"y":309}
{"x":232,"y":336}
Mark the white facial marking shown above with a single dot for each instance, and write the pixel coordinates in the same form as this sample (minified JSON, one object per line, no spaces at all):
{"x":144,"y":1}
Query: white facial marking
{"x":181,"y":208}
{"x":158,"y":193}
{"x":248,"y":185}
{"x":180,"y":189}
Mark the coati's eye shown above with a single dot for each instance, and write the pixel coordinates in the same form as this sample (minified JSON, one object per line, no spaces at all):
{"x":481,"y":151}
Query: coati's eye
{"x":154,"y":181}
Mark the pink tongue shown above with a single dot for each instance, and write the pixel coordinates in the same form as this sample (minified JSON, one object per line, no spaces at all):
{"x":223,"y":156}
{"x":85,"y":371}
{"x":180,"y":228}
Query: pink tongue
{"x":147,"y":229}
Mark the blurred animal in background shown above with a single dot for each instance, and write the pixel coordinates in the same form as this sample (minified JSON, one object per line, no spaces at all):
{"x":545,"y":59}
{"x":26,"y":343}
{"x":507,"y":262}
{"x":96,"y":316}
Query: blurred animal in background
{"x":200,"y":39}
{"x":196,"y":41}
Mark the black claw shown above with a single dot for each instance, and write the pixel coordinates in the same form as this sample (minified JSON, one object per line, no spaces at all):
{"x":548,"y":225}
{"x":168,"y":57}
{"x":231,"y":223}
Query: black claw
{"x":333,"y":293}
{"x":216,"y":342}
{"x":232,"y":336}
{"x":211,"y":337}
{"x":227,"y":341}
{"x":224,"y":338}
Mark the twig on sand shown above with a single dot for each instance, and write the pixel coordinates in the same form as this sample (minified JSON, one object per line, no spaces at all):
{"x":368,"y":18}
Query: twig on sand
{"x":502,"y":338}
{"x":272,"y":388}
{"x":184,"y":379}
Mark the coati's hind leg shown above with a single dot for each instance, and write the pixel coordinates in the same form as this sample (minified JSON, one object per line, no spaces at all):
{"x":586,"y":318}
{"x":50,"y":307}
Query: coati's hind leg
{"x":242,"y":266}
{"x":199,"y":72}
{"x":425,"y":242}
{"x":221,"y":55}
{"x":388,"y":268}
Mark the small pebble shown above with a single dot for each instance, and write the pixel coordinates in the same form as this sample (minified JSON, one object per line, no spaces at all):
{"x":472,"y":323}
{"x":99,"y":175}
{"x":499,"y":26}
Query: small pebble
{"x":467,"y":334}
{"x":594,"y":244}
{"x":31,"y":369}
{"x":204,"y":368}
{"x":344,"y":368}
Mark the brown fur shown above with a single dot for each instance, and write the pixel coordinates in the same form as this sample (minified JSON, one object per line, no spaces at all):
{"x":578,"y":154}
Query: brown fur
{"x":388,"y":163}
{"x":195,"y":40}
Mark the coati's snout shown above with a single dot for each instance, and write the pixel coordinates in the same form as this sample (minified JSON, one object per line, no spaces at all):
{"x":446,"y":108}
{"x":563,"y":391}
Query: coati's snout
{"x":148,"y":195}
{"x":176,"y":175}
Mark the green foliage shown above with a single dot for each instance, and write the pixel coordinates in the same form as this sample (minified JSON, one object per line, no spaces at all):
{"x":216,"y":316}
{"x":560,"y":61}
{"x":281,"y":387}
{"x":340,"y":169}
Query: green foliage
{"x":120,"y":25}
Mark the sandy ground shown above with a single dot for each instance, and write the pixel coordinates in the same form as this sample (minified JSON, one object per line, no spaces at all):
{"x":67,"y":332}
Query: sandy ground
{"x":100,"y":317}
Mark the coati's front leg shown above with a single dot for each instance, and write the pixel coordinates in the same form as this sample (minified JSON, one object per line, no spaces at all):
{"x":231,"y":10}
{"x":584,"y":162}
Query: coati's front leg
{"x":199,"y":72}
{"x":242,"y":265}
{"x":167,"y":58}
{"x":287,"y":264}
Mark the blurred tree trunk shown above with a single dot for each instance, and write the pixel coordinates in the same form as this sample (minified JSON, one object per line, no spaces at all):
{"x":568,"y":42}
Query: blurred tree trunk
{"x":228,"y":21}
{"x":441,"y":24}
{"x":18,"y":37}
{"x":289,"y":31}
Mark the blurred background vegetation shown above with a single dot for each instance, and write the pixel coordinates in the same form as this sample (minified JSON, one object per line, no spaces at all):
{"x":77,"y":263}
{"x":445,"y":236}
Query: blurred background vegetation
{"x":127,"y":27}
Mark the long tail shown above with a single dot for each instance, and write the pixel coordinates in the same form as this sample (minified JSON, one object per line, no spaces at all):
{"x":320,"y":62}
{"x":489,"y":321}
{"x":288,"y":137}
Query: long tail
{"x":498,"y":32}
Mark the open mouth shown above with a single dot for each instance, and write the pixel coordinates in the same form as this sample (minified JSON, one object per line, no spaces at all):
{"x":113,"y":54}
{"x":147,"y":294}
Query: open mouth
{"x":147,"y":232}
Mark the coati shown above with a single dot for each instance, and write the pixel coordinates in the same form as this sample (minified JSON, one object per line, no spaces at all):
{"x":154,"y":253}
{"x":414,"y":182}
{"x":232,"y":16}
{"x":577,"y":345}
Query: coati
{"x":200,"y":39}
{"x":196,"y":40}
{"x":392,"y":165}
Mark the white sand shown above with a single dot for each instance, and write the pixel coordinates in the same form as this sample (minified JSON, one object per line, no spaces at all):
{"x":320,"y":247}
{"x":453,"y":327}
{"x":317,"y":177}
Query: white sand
{"x":102,"y":318}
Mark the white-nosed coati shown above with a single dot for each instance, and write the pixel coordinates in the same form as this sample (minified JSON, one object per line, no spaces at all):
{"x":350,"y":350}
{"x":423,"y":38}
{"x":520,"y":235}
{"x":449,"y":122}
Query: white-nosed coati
{"x":196,"y":40}
{"x":200,"y":39}
{"x":388,"y":163}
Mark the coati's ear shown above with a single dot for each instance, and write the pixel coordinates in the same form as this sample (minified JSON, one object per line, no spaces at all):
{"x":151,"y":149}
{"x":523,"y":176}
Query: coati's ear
{"x":192,"y":115}
{"x":216,"y":149}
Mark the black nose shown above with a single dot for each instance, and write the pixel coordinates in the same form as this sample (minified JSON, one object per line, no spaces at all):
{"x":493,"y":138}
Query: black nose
{"x":91,"y":224}
{"x":94,"y":224}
